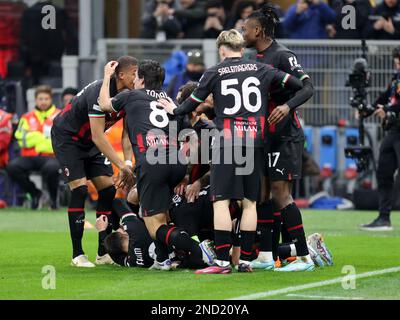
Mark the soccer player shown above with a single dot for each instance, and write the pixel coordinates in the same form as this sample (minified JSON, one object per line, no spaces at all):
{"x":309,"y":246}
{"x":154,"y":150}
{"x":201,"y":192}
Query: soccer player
{"x":84,"y":153}
{"x":285,"y":136}
{"x":157,"y":174}
{"x":240,"y":90}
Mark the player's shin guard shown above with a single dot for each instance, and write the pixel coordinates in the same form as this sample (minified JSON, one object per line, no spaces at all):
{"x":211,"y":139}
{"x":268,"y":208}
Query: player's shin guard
{"x":104,"y":207}
{"x":293,"y":223}
{"x":76,"y":217}
{"x":246,"y":245}
{"x":265,"y":223}
{"x":223,"y":244}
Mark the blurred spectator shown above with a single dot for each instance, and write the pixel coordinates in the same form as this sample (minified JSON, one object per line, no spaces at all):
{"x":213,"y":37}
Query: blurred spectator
{"x":308,"y":19}
{"x":191,"y":16}
{"x":240,"y":12}
{"x":67,"y":95}
{"x":39,"y":46}
{"x":161,"y":24}
{"x":33,"y":136}
{"x":216,"y":19}
{"x":5,"y":136}
{"x":363,"y":10}
{"x":194,"y":71}
{"x":279,"y":30}
{"x":175,"y":65}
{"x":386,"y":22}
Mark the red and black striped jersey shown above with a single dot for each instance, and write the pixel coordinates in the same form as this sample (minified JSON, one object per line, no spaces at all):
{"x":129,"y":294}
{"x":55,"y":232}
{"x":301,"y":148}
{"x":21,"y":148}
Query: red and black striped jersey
{"x":74,"y":119}
{"x":280,"y":57}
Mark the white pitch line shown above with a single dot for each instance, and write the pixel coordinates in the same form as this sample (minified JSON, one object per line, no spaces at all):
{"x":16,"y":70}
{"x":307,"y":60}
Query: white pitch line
{"x":323,"y":297}
{"x":311,"y":285}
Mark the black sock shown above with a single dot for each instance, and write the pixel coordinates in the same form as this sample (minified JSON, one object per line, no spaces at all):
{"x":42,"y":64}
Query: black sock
{"x":76,"y":217}
{"x":246,"y":244}
{"x":104,"y":207}
{"x":276,"y":233}
{"x":284,"y":251}
{"x":223,"y":243}
{"x":293,"y":223}
{"x":161,"y":251}
{"x":265,"y":223}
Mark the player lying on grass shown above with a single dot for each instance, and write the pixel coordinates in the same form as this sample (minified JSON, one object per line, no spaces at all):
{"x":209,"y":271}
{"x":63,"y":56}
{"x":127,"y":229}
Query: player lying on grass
{"x":149,"y":128}
{"x":83,"y":150}
{"x":240,"y":90}
{"x":132,"y":246}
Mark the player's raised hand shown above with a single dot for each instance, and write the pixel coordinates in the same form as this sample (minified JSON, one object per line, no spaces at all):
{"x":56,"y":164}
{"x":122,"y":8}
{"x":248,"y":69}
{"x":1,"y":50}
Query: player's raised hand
{"x":167,"y":104}
{"x":278,"y":114}
{"x":109,"y":69}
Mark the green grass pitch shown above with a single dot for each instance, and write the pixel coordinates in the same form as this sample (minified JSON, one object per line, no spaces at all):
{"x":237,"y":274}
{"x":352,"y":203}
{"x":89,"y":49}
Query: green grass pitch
{"x":31,"y":240}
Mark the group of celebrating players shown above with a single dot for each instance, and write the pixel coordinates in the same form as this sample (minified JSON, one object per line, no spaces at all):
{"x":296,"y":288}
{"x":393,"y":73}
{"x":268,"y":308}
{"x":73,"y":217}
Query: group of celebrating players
{"x":211,"y":186}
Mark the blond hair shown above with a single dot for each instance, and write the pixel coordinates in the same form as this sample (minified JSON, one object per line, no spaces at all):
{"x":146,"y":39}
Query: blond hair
{"x":232,"y":39}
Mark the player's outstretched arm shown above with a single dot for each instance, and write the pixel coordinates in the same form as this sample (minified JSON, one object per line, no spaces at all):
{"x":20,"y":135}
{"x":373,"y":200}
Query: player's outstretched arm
{"x":104,"y":98}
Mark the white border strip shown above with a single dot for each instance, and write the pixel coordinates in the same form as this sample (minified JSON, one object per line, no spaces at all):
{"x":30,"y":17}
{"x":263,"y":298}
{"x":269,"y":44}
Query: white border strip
{"x":322,"y":297}
{"x":311,"y":285}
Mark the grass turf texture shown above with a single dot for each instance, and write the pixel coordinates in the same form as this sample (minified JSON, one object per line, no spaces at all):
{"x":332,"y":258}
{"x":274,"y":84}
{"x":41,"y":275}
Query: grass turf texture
{"x":32,"y":240}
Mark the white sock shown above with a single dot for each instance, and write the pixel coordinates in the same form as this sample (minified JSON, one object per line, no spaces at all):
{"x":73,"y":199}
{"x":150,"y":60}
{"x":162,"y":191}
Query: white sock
{"x":306,"y":258}
{"x":293,"y":251}
{"x":265,"y":256}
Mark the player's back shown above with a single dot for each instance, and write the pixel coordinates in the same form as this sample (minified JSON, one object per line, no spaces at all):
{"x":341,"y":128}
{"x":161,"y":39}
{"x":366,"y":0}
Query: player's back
{"x":149,"y":125}
{"x":240,"y":89}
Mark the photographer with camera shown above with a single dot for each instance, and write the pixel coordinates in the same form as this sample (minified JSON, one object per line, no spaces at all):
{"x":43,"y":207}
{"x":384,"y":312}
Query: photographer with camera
{"x":388,"y":109}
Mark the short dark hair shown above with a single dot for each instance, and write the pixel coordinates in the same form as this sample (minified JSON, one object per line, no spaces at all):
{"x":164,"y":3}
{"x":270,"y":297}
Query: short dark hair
{"x":186,"y":91}
{"x":152,"y":73}
{"x":72,"y":91}
{"x":125,"y":62}
{"x":43,"y":89}
{"x":113,"y":244}
{"x":213,"y":4}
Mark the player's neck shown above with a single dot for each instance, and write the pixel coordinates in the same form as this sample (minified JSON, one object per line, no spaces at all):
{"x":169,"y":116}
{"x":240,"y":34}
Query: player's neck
{"x":264,"y":45}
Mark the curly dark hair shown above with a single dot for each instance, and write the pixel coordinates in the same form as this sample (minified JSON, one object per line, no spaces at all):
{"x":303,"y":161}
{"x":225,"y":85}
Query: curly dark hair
{"x":267,"y":18}
{"x":152,"y":73}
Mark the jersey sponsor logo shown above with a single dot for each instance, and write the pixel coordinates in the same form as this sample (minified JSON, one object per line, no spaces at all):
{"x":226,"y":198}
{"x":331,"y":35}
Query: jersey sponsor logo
{"x":139,"y":256}
{"x":239,"y":68}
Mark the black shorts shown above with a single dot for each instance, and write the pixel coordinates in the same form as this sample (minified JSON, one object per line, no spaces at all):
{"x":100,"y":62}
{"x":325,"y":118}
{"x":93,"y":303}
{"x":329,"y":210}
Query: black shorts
{"x":229,"y":179}
{"x":79,"y":162}
{"x":155,"y":185}
{"x":283,"y":159}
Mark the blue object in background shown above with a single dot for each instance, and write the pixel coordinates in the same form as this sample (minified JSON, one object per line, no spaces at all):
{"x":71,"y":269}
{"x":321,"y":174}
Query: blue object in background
{"x":308,"y":132}
{"x":352,"y":140}
{"x":175,"y":65}
{"x":328,"y":148}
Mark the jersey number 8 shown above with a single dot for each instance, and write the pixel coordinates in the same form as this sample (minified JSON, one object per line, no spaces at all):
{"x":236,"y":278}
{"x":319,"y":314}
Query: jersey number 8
{"x":158,"y":114}
{"x":247,"y":90}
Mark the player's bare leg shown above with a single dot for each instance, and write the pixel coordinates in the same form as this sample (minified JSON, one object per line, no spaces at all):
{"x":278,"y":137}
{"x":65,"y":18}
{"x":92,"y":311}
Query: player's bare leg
{"x":76,"y":218}
{"x":292,"y":222}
